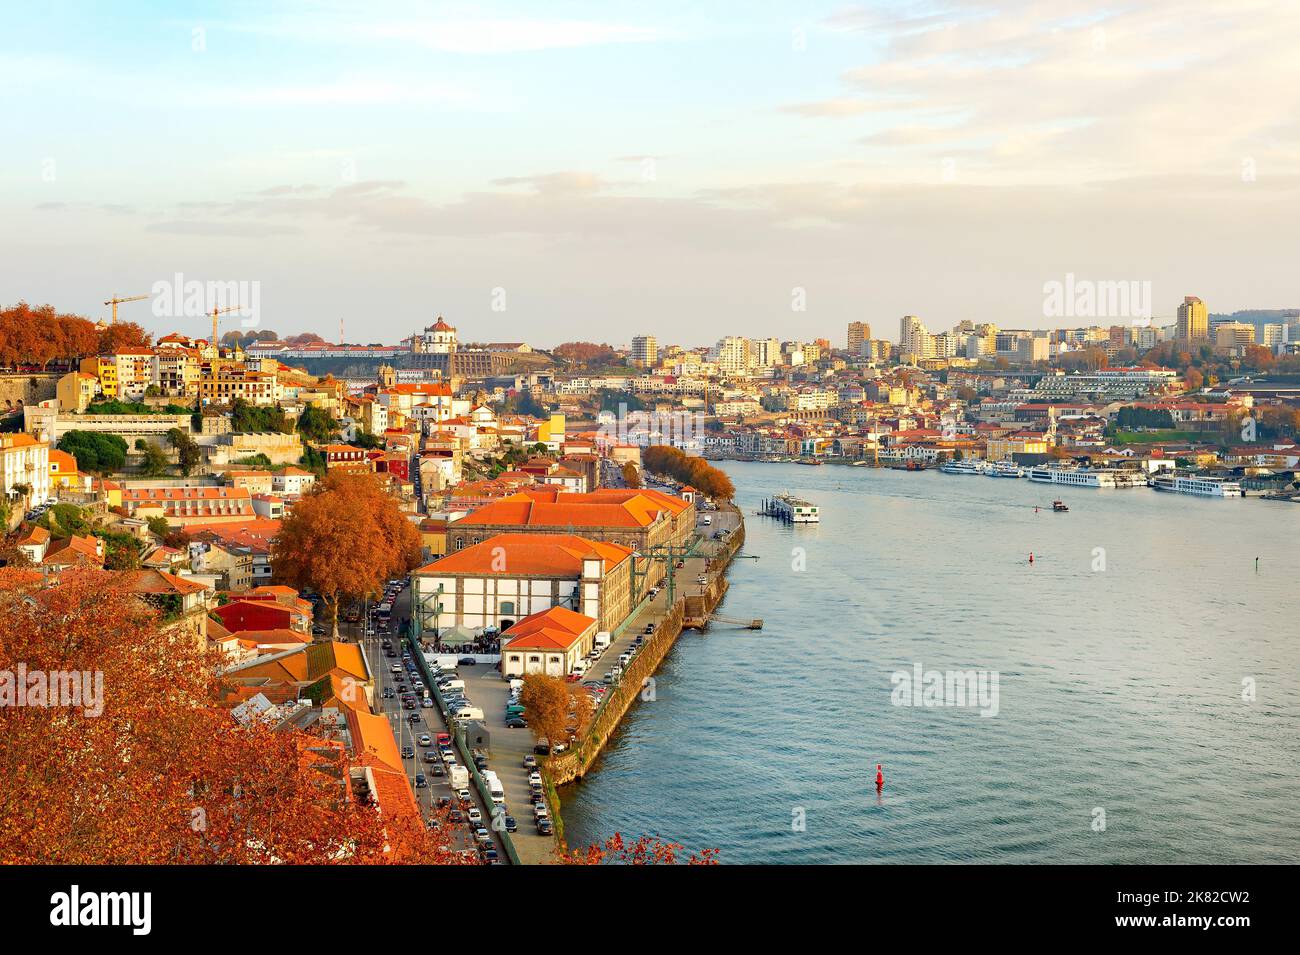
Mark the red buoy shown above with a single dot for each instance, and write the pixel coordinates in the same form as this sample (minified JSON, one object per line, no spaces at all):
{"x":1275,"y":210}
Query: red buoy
{"x":880,"y":777}
{"x":1031,"y":556}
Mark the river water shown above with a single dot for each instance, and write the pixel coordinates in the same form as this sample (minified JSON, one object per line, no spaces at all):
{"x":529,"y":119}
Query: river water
{"x":1147,"y":674}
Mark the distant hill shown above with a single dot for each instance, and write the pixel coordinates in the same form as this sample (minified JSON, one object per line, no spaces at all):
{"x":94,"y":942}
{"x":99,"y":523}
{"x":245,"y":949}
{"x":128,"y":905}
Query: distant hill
{"x":1258,"y":315}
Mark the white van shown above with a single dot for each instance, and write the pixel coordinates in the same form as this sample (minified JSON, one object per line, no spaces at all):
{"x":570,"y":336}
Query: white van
{"x":468,"y":713}
{"x":516,"y":685}
{"x":448,"y":685}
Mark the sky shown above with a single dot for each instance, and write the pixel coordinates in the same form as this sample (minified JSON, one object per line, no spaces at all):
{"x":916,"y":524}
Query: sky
{"x":592,"y":171}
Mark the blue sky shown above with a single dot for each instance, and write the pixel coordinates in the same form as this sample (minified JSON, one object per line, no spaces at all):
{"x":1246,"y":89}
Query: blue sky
{"x":677,"y":168}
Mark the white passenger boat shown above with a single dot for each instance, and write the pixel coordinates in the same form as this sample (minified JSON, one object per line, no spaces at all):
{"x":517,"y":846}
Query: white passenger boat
{"x":959,"y":467}
{"x":1200,"y":486}
{"x":1006,"y":469}
{"x":1078,"y":477}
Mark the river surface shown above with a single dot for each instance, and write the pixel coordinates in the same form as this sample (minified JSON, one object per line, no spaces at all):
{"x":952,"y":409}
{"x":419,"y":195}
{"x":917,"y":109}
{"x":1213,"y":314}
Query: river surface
{"x":1122,"y":655}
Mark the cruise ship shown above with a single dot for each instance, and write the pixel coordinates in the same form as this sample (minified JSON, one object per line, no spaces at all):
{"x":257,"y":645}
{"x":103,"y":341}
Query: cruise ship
{"x":1200,"y":486}
{"x":1079,"y":477}
{"x":1005,"y":469}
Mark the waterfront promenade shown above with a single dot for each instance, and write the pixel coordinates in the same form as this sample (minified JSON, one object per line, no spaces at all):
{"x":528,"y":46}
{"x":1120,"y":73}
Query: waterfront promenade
{"x":489,"y":690}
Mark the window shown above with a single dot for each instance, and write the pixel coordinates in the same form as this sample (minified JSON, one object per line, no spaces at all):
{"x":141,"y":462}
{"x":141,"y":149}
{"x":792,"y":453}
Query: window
{"x":506,"y":606}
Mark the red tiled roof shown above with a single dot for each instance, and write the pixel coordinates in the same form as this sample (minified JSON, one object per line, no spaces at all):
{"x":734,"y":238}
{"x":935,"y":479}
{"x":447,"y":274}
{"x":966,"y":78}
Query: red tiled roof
{"x":528,"y":555}
{"x":555,"y":629}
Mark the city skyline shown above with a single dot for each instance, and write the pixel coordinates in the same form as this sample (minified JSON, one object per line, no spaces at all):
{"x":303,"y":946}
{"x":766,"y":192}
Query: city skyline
{"x":724,"y":167}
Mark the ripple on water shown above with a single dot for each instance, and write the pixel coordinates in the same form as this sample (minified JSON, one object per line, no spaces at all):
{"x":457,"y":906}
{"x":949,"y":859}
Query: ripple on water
{"x":1119,"y":690}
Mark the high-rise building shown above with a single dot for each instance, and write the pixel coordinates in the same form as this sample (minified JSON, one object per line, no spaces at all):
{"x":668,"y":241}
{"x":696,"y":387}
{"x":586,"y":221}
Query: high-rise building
{"x":859,"y":332}
{"x":1193,"y":320}
{"x":765,"y":352}
{"x":645,"y":351}
{"x":914,"y":339}
{"x":1230,"y":334}
{"x":732,"y":355}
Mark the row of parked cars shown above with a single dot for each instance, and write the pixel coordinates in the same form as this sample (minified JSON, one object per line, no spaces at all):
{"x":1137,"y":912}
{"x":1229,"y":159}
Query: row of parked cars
{"x":438,"y":752}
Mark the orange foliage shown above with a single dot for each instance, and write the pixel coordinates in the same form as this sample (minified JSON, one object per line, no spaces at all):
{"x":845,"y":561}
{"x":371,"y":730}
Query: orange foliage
{"x":159,"y":775}
{"x":695,"y":471}
{"x":345,"y":539}
{"x":40,"y":335}
{"x":643,"y":851}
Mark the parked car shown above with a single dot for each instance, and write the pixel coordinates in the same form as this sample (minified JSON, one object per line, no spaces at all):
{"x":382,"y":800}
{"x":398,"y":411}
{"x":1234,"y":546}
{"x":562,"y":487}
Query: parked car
{"x":408,"y":752}
{"x":475,"y":815}
{"x":530,"y":761}
{"x":516,"y":723}
{"x":467,"y":662}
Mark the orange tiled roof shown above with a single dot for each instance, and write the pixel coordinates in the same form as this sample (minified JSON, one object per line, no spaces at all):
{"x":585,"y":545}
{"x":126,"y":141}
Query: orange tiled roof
{"x":35,"y":535}
{"x":528,"y":555}
{"x":307,"y":665}
{"x":160,"y":582}
{"x":555,"y":629}
{"x":74,"y":550}
{"x":554,"y":508}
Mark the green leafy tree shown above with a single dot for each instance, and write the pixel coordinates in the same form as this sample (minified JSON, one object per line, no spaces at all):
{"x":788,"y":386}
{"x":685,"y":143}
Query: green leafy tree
{"x":64,"y":520}
{"x":188,"y":454}
{"x":246,"y":418}
{"x":94,"y":451}
{"x":155,"y":459}
{"x":316,"y":424}
{"x":121,"y":551}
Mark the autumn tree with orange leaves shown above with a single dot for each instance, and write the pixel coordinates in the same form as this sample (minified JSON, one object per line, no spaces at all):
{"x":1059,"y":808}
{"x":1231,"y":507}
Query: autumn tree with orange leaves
{"x":555,"y":708}
{"x":643,"y":851}
{"x":148,"y":770}
{"x":39,"y":335}
{"x":344,"y":540}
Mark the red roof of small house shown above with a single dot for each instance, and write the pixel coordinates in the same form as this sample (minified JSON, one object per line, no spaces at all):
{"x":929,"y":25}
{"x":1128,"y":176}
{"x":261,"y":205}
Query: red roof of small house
{"x":555,"y":629}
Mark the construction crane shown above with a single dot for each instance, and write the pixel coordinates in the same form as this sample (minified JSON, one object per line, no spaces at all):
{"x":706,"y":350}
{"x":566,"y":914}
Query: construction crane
{"x":115,"y":301}
{"x":221,"y":311}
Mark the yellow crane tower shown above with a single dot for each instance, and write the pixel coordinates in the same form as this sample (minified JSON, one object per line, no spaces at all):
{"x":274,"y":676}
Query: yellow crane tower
{"x":115,"y":301}
{"x":215,"y":313}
